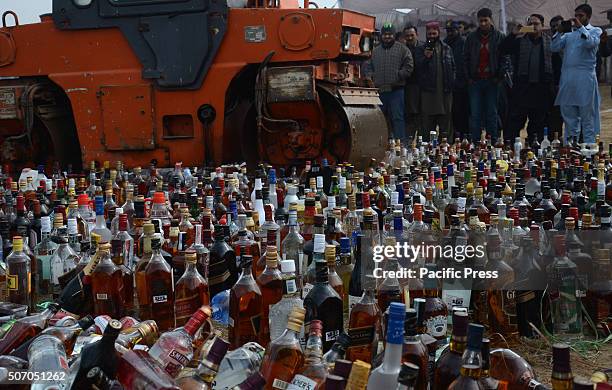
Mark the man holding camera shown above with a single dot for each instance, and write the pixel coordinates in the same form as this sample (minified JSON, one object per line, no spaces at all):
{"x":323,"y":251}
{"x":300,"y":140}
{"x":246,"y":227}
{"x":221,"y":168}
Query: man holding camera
{"x":532,"y":92}
{"x":578,"y":94}
{"x":436,"y":73}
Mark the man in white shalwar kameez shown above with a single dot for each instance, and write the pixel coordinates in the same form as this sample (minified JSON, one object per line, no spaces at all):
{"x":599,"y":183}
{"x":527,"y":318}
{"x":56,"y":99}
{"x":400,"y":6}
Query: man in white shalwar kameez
{"x":578,"y":95}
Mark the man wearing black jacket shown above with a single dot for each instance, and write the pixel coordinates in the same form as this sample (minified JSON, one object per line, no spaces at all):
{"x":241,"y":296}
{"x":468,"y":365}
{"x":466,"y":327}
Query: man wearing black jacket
{"x":461,"y":108}
{"x":413,"y":91}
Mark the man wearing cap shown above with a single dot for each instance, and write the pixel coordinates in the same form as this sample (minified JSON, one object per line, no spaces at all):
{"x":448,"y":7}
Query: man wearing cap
{"x":532,"y":89}
{"x":413,"y":91}
{"x":461,"y":108}
{"x":578,"y":94}
{"x":391,"y":64}
{"x":436,"y":72}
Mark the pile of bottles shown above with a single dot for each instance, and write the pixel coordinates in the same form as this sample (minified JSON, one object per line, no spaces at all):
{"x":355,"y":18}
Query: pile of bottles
{"x":236,"y":278}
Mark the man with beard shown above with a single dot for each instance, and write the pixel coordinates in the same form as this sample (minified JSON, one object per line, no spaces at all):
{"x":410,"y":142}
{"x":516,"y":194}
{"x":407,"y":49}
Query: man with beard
{"x":461,"y":111}
{"x":413,"y":92}
{"x":436,"y":73}
{"x":390,"y":66}
{"x":533,"y":78}
{"x":578,"y":94}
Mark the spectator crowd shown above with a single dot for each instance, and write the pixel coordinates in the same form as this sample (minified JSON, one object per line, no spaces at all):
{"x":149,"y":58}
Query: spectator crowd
{"x":479,"y":79}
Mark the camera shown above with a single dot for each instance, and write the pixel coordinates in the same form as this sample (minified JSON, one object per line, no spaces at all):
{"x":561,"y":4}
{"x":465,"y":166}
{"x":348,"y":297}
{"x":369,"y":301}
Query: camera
{"x":429,"y":45}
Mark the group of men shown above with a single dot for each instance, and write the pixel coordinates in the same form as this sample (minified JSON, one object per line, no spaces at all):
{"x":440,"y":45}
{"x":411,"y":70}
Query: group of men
{"x":453,"y":86}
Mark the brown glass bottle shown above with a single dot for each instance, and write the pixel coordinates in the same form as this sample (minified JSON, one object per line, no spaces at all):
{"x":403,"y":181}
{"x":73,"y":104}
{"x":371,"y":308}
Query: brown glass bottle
{"x":270,"y":283}
{"x":284,"y":355}
{"x":190,"y":292}
{"x":502,"y":299}
{"x":512,"y":370}
{"x":139,"y":272}
{"x":414,"y":351}
{"x":365,"y":326}
{"x":18,"y":274}
{"x":271,"y":234}
{"x":449,"y":364}
{"x":245,"y":307}
{"x":436,"y":311}
{"x":160,"y":288}
{"x":107,"y":285}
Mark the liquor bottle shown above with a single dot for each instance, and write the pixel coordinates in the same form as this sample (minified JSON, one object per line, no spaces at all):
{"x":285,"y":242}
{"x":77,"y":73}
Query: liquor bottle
{"x":436,"y":311}
{"x":365,"y":325}
{"x":385,"y":376}
{"x":358,"y":379}
{"x":246,"y":246}
{"x":355,"y":290}
{"x":174,"y":350}
{"x":342,"y":369}
{"x":25,"y":328}
{"x":449,"y":364}
{"x":561,"y":377}
{"x":334,"y":279}
{"x":284,"y":355}
{"x":140,"y":280}
{"x":565,"y":306}
{"x":597,"y":302}
{"x":512,"y":370}
{"x":471,"y":364}
{"x":337,"y":351}
{"x":47,"y":354}
{"x":345,"y":270}
{"x":408,"y":376}
{"x":292,"y":247}
{"x":414,"y":350}
{"x":270,"y":283}
{"x":146,"y":332}
{"x":487,"y":382}
{"x":160,"y":288}
{"x":63,"y":261}
{"x":501,"y":297}
{"x":279,"y":312}
{"x":107,"y":285}
{"x":316,"y":254}
{"x":313,"y":373}
{"x":245,"y":307}
{"x":100,"y":227}
{"x":222,"y":272}
{"x":44,"y":252}
{"x":100,"y":354}
{"x":323,"y":303}
{"x":190,"y":292}
{"x":18,"y":274}
{"x":97,"y":379}
{"x":138,"y":370}
{"x":389,"y":290}
{"x":208,"y":369}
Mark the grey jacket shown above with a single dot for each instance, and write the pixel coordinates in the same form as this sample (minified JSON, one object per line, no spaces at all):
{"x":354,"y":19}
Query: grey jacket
{"x":390,"y":67}
{"x":472,"y":53}
{"x":427,"y":68}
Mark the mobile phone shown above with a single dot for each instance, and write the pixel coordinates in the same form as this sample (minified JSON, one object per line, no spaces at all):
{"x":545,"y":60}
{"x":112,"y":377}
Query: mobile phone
{"x":527,"y":29}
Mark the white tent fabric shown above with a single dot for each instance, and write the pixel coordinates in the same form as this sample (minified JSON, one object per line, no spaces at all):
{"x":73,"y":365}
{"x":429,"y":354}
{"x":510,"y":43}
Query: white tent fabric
{"x":516,"y":10}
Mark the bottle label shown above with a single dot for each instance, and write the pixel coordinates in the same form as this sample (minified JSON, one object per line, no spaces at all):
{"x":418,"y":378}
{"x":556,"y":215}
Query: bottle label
{"x":279,"y":384}
{"x":45,"y":265}
{"x":332,"y":335}
{"x":185,"y":307}
{"x":361,"y":336}
{"x":12,"y":282}
{"x":101,"y":296}
{"x":306,"y":289}
{"x":176,"y":363}
{"x":436,"y":326}
{"x":461,"y":204}
{"x":160,"y":298}
{"x":290,"y":286}
{"x":300,"y":382}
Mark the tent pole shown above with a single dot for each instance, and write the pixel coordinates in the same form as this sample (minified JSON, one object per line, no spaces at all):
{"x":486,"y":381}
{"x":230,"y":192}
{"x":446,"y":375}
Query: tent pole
{"x":504,"y":23}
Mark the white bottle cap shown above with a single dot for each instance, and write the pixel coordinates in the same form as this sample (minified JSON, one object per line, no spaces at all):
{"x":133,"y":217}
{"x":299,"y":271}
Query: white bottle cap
{"x":331,"y":202}
{"x":118,"y":210}
{"x":319,"y":243}
{"x":287,"y":266}
{"x":394,"y":197}
{"x":342,"y":182}
{"x":71,"y":183}
{"x":45,"y":224}
{"x":319,"y":181}
{"x":72,"y":226}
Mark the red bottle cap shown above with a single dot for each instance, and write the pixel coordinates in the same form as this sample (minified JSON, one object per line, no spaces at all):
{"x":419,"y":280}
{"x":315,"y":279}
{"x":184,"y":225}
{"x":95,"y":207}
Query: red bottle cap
{"x":159,"y":198}
{"x":83,"y":200}
{"x":573,"y":212}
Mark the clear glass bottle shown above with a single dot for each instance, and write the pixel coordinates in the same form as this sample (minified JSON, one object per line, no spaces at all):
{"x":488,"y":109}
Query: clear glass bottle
{"x":100,"y":227}
{"x":385,"y":376}
{"x":44,"y":252}
{"x":292,"y":247}
{"x":18,"y":274}
{"x":279,"y":312}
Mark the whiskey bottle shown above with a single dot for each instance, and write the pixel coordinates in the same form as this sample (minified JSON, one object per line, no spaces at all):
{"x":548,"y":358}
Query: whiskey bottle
{"x":140,"y":279}
{"x":334,"y":279}
{"x":279,"y":312}
{"x":337,"y":351}
{"x":174,"y":350}
{"x":436,"y":311}
{"x":160,"y":288}
{"x":471,"y":364}
{"x":414,"y":351}
{"x":284,"y":355}
{"x":355,"y":289}
{"x":449,"y":364}
{"x":385,"y":376}
{"x":107,"y":285}
{"x":408,"y":376}
{"x":203,"y":378}
{"x":292,"y":247}
{"x":245,"y":307}
{"x":313,"y":374}
{"x":222,"y":271}
{"x":191,"y":291}
{"x":487,"y":382}
{"x":323,"y":303}
{"x":512,"y":370}
{"x":270,"y":283}
{"x":389,"y":290}
{"x":18,"y":274}
{"x":561,"y":377}
{"x":345,"y":270}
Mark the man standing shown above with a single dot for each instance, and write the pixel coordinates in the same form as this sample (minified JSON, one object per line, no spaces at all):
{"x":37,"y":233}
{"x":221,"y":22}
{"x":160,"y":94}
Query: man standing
{"x":554,"y":120}
{"x":436,"y":72}
{"x":413,"y":92}
{"x":481,"y":56}
{"x":532,"y":91}
{"x":461,"y":108}
{"x":578,"y":94}
{"x":390,"y":66}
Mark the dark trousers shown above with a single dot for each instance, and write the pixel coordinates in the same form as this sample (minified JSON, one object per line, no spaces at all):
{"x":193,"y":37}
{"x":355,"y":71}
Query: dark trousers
{"x":461,"y":113}
{"x":517,"y":118}
{"x":483,"y":108}
{"x":393,"y":108}
{"x":431,"y":122}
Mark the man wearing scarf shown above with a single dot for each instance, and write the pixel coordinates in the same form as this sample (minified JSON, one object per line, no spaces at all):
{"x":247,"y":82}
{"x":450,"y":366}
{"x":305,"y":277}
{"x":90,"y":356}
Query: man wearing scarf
{"x":390,"y":66}
{"x":578,"y":94}
{"x":436,"y":72}
{"x":532,"y":89}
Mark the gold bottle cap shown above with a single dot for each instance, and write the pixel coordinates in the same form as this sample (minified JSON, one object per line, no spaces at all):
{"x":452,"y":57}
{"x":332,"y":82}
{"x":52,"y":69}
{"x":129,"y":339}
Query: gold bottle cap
{"x":330,"y":254}
{"x":106,"y":164}
{"x":17,"y":243}
{"x":58,"y":220}
{"x":587,"y":219}
{"x":148,"y":228}
{"x":191,"y":257}
{"x":293,"y":206}
{"x":296,"y":319}
{"x":479,"y":191}
{"x":312,"y":182}
{"x":569,"y":223}
{"x":358,"y":378}
{"x":95,"y":238}
{"x":271,"y":256}
{"x":105,"y":246}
